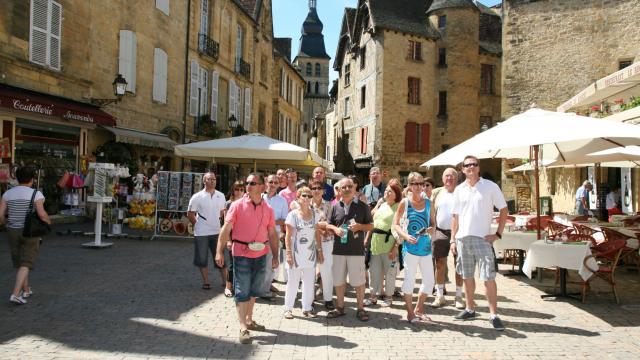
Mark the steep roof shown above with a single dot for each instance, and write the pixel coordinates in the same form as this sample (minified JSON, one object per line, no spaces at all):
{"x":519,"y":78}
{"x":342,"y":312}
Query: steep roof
{"x":490,"y":33}
{"x":407,"y":16}
{"x":282,"y":47}
{"x":312,"y":40}
{"x":345,"y":35}
{"x":251,"y":7}
{"x":444,"y":4}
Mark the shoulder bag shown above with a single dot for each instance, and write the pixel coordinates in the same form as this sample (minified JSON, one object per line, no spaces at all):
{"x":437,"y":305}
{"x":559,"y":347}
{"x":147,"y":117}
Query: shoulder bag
{"x":33,"y":225}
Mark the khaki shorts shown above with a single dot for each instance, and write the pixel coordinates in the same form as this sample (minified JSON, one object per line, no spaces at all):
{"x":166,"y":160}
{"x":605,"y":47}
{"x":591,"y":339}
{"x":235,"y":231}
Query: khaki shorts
{"x":24,"y":250}
{"x":352,"y":265}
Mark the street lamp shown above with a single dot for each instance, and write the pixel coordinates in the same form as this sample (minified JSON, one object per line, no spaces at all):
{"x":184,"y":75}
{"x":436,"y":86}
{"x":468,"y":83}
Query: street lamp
{"x":235,"y":126}
{"x":119,"y":90}
{"x":233,"y":122}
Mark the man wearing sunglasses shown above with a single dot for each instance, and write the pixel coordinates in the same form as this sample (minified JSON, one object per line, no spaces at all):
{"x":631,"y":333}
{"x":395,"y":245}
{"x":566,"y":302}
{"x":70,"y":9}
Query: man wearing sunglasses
{"x":319,"y":175}
{"x":472,"y":239}
{"x":280,"y":210}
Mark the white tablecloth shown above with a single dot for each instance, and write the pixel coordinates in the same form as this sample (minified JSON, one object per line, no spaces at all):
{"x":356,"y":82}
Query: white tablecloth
{"x":514,"y":240}
{"x":521,"y":220}
{"x":564,"y":219}
{"x":566,"y":256}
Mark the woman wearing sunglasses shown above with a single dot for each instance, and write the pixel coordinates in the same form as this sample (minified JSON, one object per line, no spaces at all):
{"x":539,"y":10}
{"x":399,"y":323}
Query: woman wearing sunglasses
{"x":303,"y":252}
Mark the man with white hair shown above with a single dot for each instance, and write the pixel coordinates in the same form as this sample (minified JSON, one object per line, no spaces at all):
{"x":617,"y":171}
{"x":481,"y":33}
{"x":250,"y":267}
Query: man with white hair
{"x":582,"y":198}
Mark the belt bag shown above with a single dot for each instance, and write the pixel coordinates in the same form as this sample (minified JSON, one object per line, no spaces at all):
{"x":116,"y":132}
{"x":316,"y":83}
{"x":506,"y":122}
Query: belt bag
{"x":382,"y":232}
{"x":253,"y":246}
{"x":447,"y":233}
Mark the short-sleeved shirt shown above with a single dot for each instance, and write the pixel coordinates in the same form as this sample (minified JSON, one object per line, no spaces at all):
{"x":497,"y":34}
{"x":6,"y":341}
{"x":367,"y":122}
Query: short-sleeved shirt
{"x":18,"y":199}
{"x":288,"y":195}
{"x":443,"y":205}
{"x":251,"y":223}
{"x":474,"y":207}
{"x":383,"y":219}
{"x":279,"y":206}
{"x":303,"y":239}
{"x":322,"y":211}
{"x":208,"y":208}
{"x":582,"y":192}
{"x":373,"y":193}
{"x":358,"y":211}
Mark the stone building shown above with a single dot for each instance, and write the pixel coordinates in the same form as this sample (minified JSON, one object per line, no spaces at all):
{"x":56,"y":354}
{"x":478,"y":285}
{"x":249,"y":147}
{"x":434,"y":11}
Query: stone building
{"x":552,"y":50}
{"x":313,"y":62}
{"x":414,"y":80}
{"x":288,"y":96}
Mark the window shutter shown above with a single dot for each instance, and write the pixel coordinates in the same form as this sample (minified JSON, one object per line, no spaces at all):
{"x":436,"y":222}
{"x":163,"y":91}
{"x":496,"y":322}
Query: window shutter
{"x":203,"y":80}
{"x":410,"y":137}
{"x":215,"y":78}
{"x":193,"y":89}
{"x":159,"y":75}
{"x":55,"y":32}
{"x":247,"y":109}
{"x":232,"y":98}
{"x":163,"y":5}
{"x":238,"y":105}
{"x":39,"y":32}
{"x":204,"y":17}
{"x":424,"y":138}
{"x":127,"y":60}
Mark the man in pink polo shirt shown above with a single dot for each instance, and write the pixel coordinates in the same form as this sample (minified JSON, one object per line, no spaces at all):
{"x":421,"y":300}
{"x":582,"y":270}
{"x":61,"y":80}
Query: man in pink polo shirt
{"x":254,"y":234}
{"x":290,"y":192}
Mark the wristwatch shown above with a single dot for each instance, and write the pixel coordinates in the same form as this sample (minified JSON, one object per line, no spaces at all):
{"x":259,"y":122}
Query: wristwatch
{"x":498,"y":235}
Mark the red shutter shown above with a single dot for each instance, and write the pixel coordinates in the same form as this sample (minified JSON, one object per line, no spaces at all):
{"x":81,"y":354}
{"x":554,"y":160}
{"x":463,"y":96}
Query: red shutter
{"x":425,"y":134}
{"x":410,"y":137}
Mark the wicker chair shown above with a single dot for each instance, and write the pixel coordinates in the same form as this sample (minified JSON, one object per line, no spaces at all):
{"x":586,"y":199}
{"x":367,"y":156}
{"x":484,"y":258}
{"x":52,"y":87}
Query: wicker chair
{"x":555,"y":229}
{"x":628,"y":253}
{"x":608,"y":255}
{"x":577,"y":237}
{"x":583,"y":229}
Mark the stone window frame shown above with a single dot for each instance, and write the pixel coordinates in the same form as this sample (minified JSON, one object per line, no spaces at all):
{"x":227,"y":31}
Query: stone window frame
{"x":415,"y":50}
{"x":347,"y":75}
{"x":413,"y":90}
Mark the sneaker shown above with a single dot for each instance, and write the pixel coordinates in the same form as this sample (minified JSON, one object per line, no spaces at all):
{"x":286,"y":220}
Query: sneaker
{"x":329,"y":305}
{"x":465,"y":315}
{"x":439,"y":301}
{"x":496,"y":323}
{"x":26,"y":294}
{"x":386,"y":303}
{"x":460,"y":303}
{"x":245,"y":337}
{"x":18,"y":300}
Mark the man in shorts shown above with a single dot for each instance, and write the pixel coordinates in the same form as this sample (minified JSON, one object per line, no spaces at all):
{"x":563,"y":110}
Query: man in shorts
{"x":442,"y":204}
{"x":204,"y":212}
{"x":471,"y":237}
{"x":349,"y":221}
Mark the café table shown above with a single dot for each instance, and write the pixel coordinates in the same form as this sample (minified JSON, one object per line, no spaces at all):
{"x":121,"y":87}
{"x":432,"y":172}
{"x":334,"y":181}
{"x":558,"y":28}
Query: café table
{"x":566,"y":256}
{"x":514,"y":240}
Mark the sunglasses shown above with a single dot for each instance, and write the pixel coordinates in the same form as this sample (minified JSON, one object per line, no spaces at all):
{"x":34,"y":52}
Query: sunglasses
{"x":470,"y":165}
{"x":307,"y":196}
{"x":316,"y":188}
{"x":272,"y":182}
{"x":347,"y":187}
{"x":211,"y":179}
{"x":253,"y":183}
{"x":417,"y":184}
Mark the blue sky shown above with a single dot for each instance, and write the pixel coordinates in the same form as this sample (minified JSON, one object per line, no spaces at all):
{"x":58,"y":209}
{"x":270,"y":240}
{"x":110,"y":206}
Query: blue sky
{"x":288,"y":16}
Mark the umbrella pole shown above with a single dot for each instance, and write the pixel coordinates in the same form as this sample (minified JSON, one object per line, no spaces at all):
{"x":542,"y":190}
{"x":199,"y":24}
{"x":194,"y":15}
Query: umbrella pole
{"x":537,"y":176}
{"x":255,"y":167}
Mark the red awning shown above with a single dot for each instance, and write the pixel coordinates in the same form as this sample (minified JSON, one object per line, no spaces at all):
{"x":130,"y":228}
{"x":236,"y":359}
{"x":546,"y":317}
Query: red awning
{"x":48,"y":105}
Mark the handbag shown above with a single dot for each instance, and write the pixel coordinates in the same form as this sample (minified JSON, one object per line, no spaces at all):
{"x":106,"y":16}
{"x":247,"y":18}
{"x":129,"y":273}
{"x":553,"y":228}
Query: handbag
{"x":33,"y":225}
{"x":404,"y":224}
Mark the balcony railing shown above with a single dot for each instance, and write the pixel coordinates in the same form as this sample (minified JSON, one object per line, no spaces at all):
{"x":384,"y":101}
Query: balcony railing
{"x":244,"y":68}
{"x":208,"y":46}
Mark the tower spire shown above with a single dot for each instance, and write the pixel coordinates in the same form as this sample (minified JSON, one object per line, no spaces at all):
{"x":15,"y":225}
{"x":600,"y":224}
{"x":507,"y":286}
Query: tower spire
{"x":312,"y":4}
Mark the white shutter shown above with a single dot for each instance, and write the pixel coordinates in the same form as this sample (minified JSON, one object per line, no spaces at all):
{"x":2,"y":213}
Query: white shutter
{"x":232,"y":98}
{"x":204,"y":17}
{"x":238,"y":105}
{"x":204,"y":91}
{"x":159,"y":75}
{"x":193,"y":88}
{"x":39,"y":31}
{"x":239,"y":37}
{"x":127,"y":60}
{"x":163,"y":5}
{"x":247,"y":109}
{"x":55,"y":32}
{"x":215,"y":78}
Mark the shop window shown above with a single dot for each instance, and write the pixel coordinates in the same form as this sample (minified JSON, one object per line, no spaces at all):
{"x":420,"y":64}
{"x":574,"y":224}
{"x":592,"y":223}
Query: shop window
{"x":414,"y":91}
{"x":46,"y":33}
{"x":415,"y":50}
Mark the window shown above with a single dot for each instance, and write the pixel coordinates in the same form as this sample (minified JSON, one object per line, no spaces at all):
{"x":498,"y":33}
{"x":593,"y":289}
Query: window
{"x":442,"y":103}
{"x":163,"y":5}
{"x":415,"y":50}
{"x":282,"y":80}
{"x":239,"y":46}
{"x":309,"y":69}
{"x":442,"y":57}
{"x":127,"y":58}
{"x":347,"y":107}
{"x":624,"y":63}
{"x":363,"y":97}
{"x":289,"y":90}
{"x":263,"y":69}
{"x":308,"y":87}
{"x":317,"y":87}
{"x":486,"y":79}
{"x":198,"y":90}
{"x":363,"y":140}
{"x":442,"y":21}
{"x":159,"y":75}
{"x":347,"y":74}
{"x":416,"y":138}
{"x":363,"y":57}
{"x":318,"y":70}
{"x":204,"y":17}
{"x":247,"y":109}
{"x":414,"y":91}
{"x":215,"y":81}
{"x":485,"y":123}
{"x":45,"y":34}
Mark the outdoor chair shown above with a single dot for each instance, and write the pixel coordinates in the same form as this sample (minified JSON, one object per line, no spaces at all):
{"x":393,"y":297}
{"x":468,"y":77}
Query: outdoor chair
{"x":583,"y":229}
{"x":577,"y":237}
{"x":581,"y":218}
{"x":607,"y":254}
{"x":544,"y":219}
{"x":629,"y":254}
{"x":555,"y":230}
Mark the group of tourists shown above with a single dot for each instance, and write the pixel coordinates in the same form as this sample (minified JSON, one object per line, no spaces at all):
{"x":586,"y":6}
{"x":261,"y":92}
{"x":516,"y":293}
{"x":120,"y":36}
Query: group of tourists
{"x":334,"y":234}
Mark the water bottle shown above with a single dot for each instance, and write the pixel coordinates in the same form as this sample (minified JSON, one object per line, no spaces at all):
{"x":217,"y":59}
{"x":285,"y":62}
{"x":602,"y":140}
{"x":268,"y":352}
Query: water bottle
{"x":345,"y":233}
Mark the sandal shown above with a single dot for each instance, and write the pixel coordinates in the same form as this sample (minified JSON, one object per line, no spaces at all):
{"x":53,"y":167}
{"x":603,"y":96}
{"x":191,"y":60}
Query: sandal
{"x":310,"y":314}
{"x":370,"y":302}
{"x":227,"y":292}
{"x":337,"y":312}
{"x":362,"y":315}
{"x":415,"y":320}
{"x":255,"y":326}
{"x":288,"y":314}
{"x":206,"y":286}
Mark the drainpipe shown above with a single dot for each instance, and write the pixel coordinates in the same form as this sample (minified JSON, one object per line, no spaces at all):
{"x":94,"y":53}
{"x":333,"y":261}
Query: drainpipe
{"x":186,"y":79}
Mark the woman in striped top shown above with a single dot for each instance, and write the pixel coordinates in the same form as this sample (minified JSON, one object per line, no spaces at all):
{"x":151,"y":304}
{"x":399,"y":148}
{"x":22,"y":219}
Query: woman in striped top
{"x":24,"y":251}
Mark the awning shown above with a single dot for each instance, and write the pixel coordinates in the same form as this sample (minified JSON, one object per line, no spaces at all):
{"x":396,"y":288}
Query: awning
{"x":15,"y":98}
{"x":142,"y":138}
{"x":622,"y":84}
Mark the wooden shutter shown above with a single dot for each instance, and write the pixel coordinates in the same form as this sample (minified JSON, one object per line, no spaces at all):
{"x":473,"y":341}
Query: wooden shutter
{"x":163,"y":5}
{"x":410,"y":137}
{"x":424,"y":138}
{"x":159,"y":75}
{"x":215,"y":79}
{"x":193,"y":88}
{"x":232,"y":98}
{"x":203,"y":81}
{"x":204,"y":17}
{"x":247,"y":109}
{"x":55,"y":33}
{"x":39,"y":31}
{"x":127,"y":60}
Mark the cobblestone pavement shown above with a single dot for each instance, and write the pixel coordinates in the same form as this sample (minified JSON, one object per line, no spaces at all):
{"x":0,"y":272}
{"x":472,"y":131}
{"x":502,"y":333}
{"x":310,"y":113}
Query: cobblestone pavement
{"x":142,"y":299}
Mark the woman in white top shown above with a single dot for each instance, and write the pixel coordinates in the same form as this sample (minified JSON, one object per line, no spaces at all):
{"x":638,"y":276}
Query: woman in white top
{"x":24,"y":250}
{"x":303,"y":252}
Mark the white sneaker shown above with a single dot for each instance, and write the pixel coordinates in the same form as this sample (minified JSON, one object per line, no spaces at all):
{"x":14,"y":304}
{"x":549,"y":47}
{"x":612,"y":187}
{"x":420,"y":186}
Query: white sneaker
{"x":26,"y":294}
{"x":18,"y":300}
{"x":439,"y":301}
{"x":460,"y":304}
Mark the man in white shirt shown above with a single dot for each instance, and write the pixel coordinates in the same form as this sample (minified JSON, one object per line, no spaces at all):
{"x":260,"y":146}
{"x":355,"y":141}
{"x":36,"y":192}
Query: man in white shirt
{"x":280,"y":211}
{"x":471,"y":237}
{"x":204,"y":212}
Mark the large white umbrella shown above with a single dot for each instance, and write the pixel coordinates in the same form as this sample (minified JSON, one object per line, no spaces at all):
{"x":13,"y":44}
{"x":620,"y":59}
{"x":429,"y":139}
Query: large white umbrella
{"x":253,"y":149}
